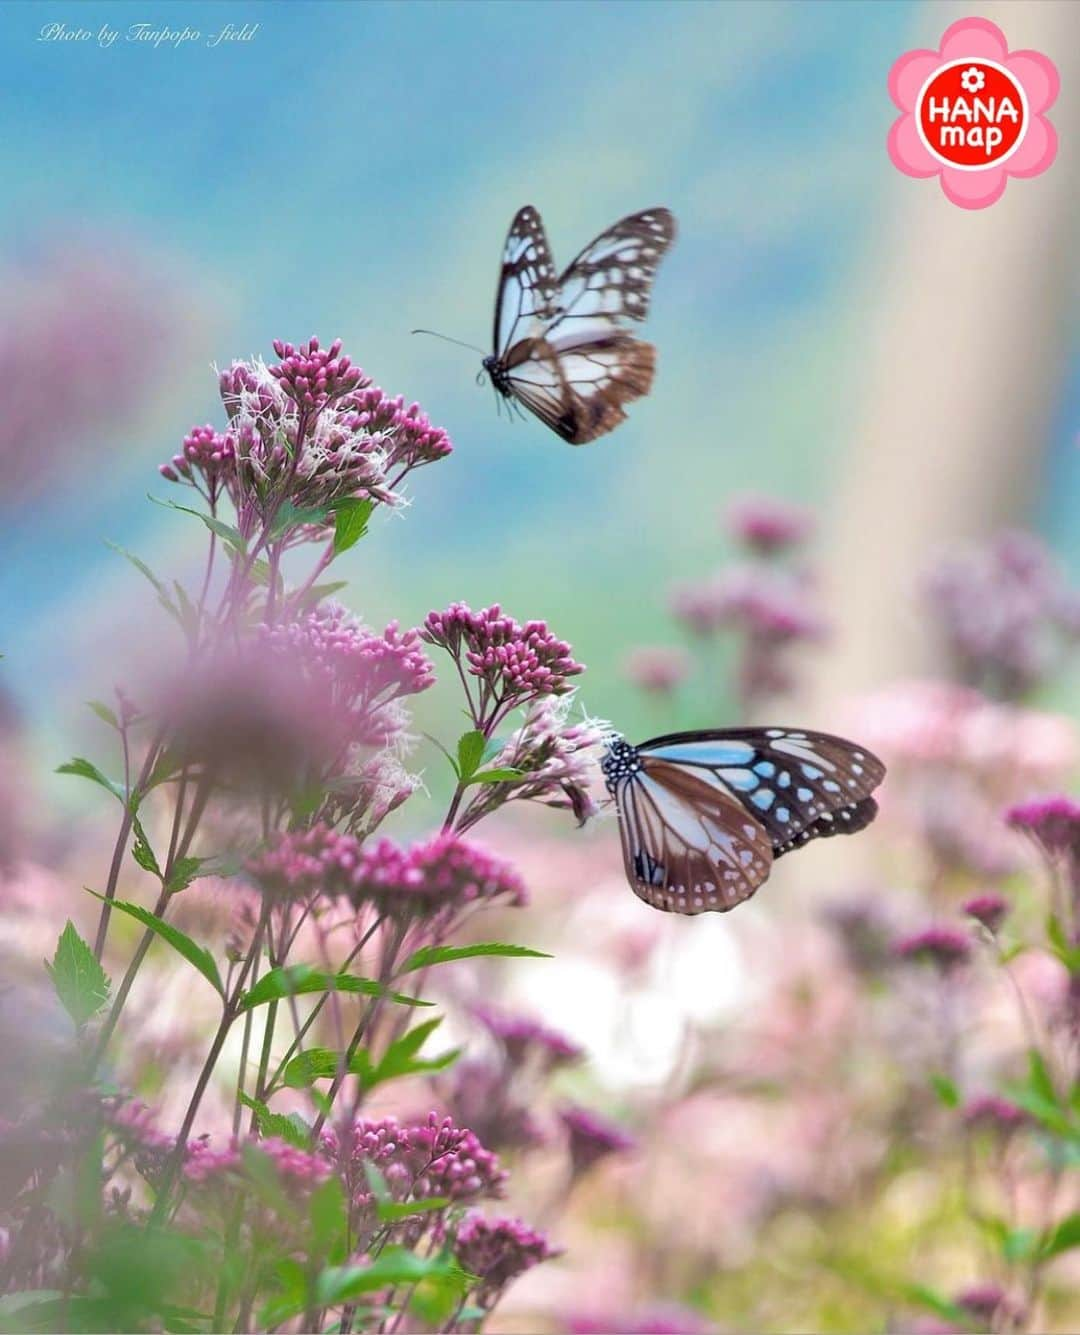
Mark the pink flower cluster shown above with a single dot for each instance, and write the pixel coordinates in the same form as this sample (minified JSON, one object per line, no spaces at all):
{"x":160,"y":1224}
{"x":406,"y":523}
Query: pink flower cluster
{"x":941,"y":945}
{"x":527,"y":1041}
{"x":768,"y":525}
{"x":412,"y":440}
{"x":442,"y":874}
{"x":1053,"y":822}
{"x":497,"y":1251}
{"x":1004,"y":612}
{"x":990,"y":909}
{"x":309,"y":431}
{"x":294,"y":1167}
{"x":993,"y":1113}
{"x":433,"y":1158}
{"x":658,"y":668}
{"x":516,"y":663}
{"x":313,"y":376}
{"x":592,"y":1138}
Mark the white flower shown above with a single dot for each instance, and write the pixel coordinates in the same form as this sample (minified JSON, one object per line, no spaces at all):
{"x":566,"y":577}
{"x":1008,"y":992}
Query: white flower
{"x":972,"y":80}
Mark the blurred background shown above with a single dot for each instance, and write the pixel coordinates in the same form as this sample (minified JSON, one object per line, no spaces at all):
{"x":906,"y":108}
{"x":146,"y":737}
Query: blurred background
{"x":829,"y":332}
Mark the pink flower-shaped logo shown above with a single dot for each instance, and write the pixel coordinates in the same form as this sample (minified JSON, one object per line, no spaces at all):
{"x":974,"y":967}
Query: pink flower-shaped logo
{"x":973,"y":113}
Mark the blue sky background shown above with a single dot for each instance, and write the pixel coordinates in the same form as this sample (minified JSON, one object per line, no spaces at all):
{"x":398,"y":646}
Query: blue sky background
{"x":351,"y":172}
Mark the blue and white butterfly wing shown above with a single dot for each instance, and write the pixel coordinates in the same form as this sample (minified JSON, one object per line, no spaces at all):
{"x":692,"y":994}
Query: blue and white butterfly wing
{"x":688,"y":846}
{"x":799,"y":785}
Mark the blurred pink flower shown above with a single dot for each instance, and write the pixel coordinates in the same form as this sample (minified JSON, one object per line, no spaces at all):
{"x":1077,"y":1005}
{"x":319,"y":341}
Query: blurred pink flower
{"x":497,"y":1251}
{"x":659,"y":669}
{"x":767,"y":524}
{"x":941,"y":945}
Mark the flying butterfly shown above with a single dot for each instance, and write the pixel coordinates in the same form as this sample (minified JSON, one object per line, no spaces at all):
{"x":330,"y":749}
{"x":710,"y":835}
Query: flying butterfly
{"x":703,"y":815}
{"x":563,"y":346}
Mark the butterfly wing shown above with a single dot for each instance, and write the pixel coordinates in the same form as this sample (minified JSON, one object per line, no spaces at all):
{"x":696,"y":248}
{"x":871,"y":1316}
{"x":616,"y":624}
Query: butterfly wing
{"x":562,"y":345}
{"x":580,"y":393}
{"x":688,"y":846}
{"x":525,"y":296}
{"x":798,"y":785}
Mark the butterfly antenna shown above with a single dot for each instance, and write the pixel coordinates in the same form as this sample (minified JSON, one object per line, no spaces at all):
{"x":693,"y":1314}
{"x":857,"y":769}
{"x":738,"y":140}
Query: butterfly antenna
{"x":447,"y":339}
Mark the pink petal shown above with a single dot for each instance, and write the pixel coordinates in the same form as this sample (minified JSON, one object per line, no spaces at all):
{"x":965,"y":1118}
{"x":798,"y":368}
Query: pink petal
{"x":974,"y":190}
{"x":1037,"y":151}
{"x":908,"y":152}
{"x":908,"y":75}
{"x":972,"y":39}
{"x":1039,"y":77}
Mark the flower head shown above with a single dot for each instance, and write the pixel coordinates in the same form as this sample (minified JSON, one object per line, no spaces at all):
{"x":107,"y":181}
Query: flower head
{"x":442,"y":875}
{"x":943,"y":946}
{"x":767,"y":525}
{"x":497,"y":1251}
{"x":658,"y":669}
{"x":994,"y":1113}
{"x":527,"y":1041}
{"x":515,"y":662}
{"x":313,"y":376}
{"x":592,"y":1138}
{"x":206,"y":452}
{"x":990,"y":909}
{"x":1052,"y":822}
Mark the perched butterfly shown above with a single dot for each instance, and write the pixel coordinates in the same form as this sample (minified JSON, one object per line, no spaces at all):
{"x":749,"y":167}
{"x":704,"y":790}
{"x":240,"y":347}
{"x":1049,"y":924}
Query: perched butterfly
{"x":703,"y":815}
{"x":563,"y":348}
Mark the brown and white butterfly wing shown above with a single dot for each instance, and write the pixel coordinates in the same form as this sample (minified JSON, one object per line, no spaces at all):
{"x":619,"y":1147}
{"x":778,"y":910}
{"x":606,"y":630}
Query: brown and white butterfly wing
{"x":688,"y":847}
{"x":562,"y":348}
{"x":580,"y":393}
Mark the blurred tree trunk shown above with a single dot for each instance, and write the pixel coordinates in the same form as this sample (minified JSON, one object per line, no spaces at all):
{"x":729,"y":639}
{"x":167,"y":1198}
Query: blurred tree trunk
{"x":967,"y":347}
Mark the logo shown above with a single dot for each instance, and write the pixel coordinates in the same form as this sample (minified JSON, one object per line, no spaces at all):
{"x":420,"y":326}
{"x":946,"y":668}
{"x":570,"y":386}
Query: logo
{"x":973,"y":113}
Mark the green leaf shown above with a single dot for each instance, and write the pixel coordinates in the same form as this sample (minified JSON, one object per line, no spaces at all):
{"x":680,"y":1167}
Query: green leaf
{"x":292,"y":1128}
{"x":1064,"y":1238}
{"x":351,"y":515}
{"x":389,"y":1212}
{"x":231,"y":536}
{"x":945,"y":1090}
{"x":470,"y":749}
{"x":186,"y":870}
{"x":329,"y":1220}
{"x":104,"y":713}
{"x":299,"y":979}
{"x":189,"y":613}
{"x":318,"y":592}
{"x":1062,"y":947}
{"x":80,"y":982}
{"x":1039,"y":1077}
{"x":262,"y":1173}
{"x":141,"y":850}
{"x":429,"y":955}
{"x":934,"y":1302}
{"x":181,"y":943}
{"x":400,"y":1058}
{"x":314,"y":1064}
{"x":83,"y":769}
{"x":144,"y":569}
{"x":492,"y":748}
{"x":393,"y":1265}
{"x":292,"y":516}
{"x":453,"y":763}
{"x":496,"y":776}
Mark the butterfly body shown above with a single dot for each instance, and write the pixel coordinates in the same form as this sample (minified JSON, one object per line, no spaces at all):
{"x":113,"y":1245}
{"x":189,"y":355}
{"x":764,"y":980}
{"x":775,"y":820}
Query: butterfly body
{"x":563,"y":346}
{"x":703,"y":815}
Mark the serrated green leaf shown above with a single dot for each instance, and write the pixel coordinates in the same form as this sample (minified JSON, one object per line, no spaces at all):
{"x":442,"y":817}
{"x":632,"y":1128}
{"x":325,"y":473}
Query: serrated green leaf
{"x":946,"y":1090}
{"x":141,"y":850}
{"x":351,"y":515}
{"x":184,"y":871}
{"x":1019,"y":1244}
{"x":300,"y":979}
{"x":80,"y":982}
{"x":470,"y":748}
{"x":231,"y":536}
{"x":314,"y":1064}
{"x":292,"y":1128}
{"x":318,"y":592}
{"x":291,"y":516}
{"x":194,"y":954}
{"x":429,"y":955}
{"x":83,"y":769}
